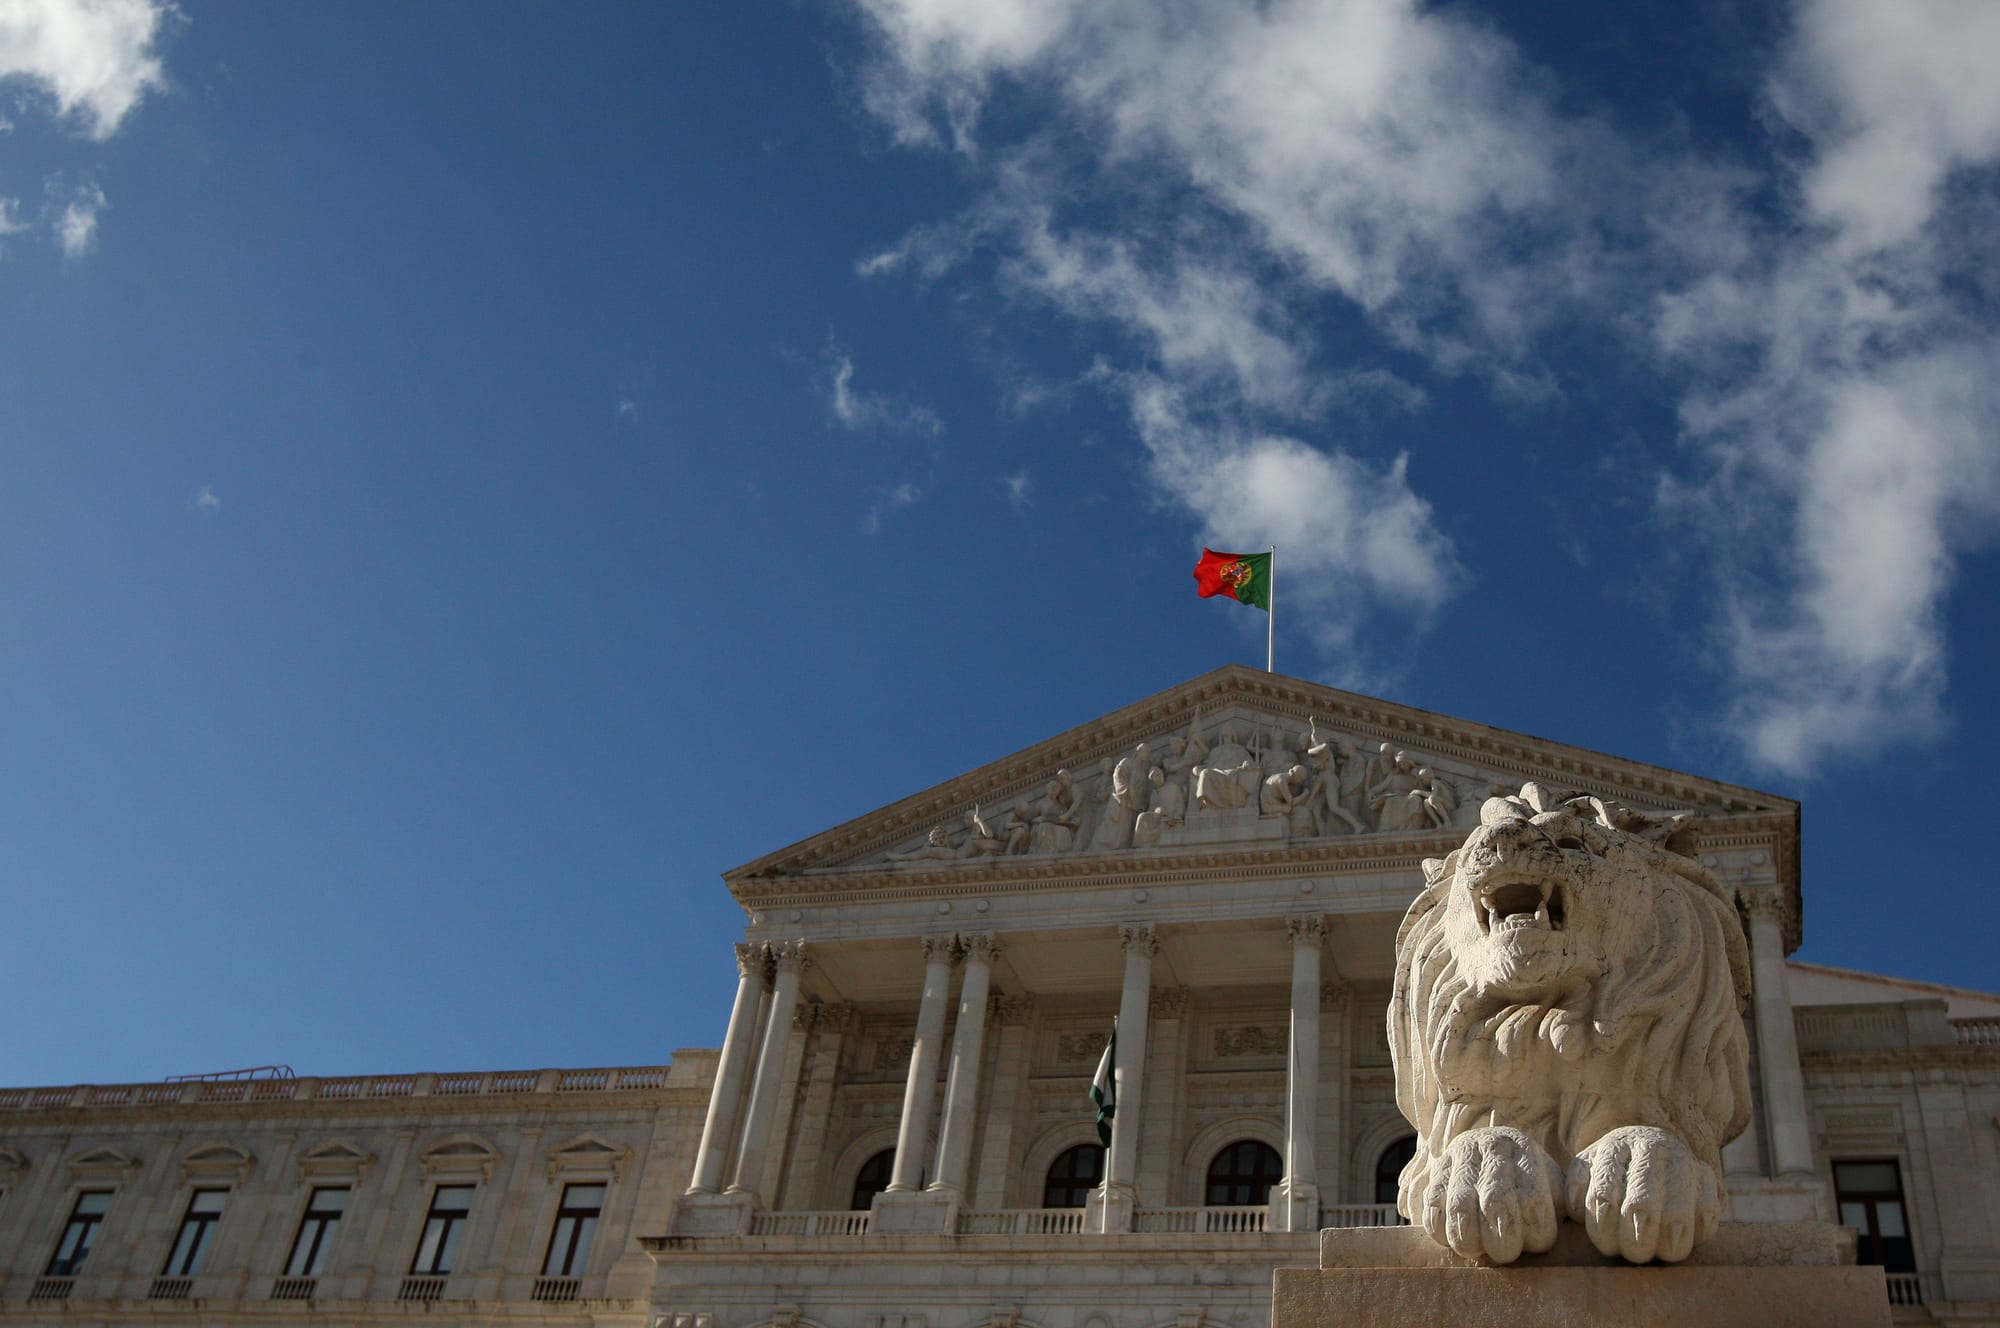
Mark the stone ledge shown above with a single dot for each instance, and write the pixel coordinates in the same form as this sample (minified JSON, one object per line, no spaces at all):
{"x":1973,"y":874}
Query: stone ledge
{"x":1573,"y":1297}
{"x":1734,"y":1245}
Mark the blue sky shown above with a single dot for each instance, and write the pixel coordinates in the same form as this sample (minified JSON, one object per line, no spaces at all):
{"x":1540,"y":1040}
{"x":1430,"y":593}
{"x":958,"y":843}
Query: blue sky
{"x":470,"y":474}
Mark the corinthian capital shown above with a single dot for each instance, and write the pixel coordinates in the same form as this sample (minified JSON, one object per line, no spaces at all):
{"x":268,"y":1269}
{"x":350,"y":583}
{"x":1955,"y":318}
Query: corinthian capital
{"x":1307,"y":930}
{"x":940,"y":949}
{"x":1139,"y":938}
{"x":1762,"y":905}
{"x":751,"y":962}
{"x":789,"y":956}
{"x":980,"y":946}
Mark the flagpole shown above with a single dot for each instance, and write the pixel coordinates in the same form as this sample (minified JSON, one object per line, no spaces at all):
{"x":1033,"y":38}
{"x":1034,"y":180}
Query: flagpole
{"x":1271,"y":615}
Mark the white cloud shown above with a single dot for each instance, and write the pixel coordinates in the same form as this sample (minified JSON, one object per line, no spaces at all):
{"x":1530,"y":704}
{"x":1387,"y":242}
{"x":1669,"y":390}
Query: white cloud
{"x":10,"y":218}
{"x":76,"y":227}
{"x":1350,"y":532}
{"x":94,"y":58}
{"x":1221,"y":167}
{"x":871,"y":412}
{"x":1019,"y":488}
{"x":628,"y":409}
{"x":901,"y":496}
{"x":205,"y":501}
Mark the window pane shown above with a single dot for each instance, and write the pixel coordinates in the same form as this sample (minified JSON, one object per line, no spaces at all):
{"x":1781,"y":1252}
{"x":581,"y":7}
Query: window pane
{"x":427,"y":1250}
{"x":452,"y":1196}
{"x":93,"y":1203}
{"x":1889,"y":1220}
{"x":1855,"y":1215}
{"x":1874,"y":1177}
{"x":453,"y":1231}
{"x":581,"y":1259}
{"x":557,"y":1264}
{"x":583,"y":1196}
{"x":207,"y":1201}
{"x":329,"y":1201}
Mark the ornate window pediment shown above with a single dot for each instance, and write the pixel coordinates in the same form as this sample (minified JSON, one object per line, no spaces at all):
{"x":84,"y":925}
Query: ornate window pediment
{"x":216,"y":1161}
{"x":334,"y":1160}
{"x":459,"y":1157}
{"x":103,"y":1165}
{"x":12,"y":1164}
{"x":588,"y":1156}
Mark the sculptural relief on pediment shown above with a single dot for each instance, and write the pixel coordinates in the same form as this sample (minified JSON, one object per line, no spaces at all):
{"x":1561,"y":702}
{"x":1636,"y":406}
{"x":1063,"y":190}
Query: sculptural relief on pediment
{"x":1235,"y":778}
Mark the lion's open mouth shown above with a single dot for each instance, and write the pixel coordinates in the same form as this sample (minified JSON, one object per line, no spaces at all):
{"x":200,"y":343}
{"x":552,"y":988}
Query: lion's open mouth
{"x":1518,"y":904}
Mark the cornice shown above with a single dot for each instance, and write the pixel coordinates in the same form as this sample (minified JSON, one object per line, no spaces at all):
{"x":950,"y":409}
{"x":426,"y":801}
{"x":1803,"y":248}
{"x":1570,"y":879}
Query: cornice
{"x":222,"y":1115}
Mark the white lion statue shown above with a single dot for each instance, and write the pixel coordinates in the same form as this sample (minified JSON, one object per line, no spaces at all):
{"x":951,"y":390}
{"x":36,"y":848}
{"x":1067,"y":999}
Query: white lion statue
{"x":1567,"y":1033}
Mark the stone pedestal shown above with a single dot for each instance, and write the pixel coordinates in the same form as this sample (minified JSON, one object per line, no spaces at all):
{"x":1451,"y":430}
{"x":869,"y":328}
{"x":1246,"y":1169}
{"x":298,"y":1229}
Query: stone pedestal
{"x":1752,"y":1275}
{"x":914,"y":1213}
{"x":713,"y":1214}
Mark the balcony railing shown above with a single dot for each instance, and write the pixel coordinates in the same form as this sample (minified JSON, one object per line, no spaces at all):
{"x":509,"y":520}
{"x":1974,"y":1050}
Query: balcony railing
{"x":1360,"y":1215}
{"x":421,"y":1287}
{"x":843,"y":1223}
{"x":1205,"y":1221}
{"x":294,"y":1288}
{"x":615,"y":1079}
{"x":1976,"y":1033}
{"x":171,"y":1288}
{"x":1022,"y":1222}
{"x":556,"y":1288}
{"x":1905,"y":1288}
{"x":52,"y":1288}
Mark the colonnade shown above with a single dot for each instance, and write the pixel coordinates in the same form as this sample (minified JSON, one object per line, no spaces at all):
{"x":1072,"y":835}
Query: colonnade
{"x":767,"y":997}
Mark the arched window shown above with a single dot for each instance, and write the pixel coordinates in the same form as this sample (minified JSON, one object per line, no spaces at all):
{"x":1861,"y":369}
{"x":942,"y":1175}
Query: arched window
{"x":1390,"y":1167}
{"x":1243,"y":1173}
{"x":873,"y":1178}
{"x":1072,"y":1176}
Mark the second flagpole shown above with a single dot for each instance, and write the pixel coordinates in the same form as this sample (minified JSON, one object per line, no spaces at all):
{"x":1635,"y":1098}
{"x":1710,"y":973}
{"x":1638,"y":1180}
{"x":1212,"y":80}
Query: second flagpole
{"x":1271,"y":614}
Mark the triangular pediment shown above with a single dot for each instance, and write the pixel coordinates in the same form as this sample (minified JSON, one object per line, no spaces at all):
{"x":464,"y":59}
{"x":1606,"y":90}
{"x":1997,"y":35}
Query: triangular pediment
{"x":1236,"y":759}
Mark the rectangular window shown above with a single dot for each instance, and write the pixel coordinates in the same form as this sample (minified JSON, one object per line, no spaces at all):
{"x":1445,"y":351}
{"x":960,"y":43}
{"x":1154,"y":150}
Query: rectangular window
{"x":444,"y":1227}
{"x":74,"y":1246}
{"x":1870,"y":1195}
{"x":316,"y":1228}
{"x":203,"y":1212}
{"x":576,"y":1223}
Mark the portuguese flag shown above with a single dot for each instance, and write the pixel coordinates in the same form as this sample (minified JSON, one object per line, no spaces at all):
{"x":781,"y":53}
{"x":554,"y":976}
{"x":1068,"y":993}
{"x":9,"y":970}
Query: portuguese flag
{"x":1244,"y":577}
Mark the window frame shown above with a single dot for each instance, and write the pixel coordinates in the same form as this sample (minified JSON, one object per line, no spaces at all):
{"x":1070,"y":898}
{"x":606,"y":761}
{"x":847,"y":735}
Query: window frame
{"x":79,"y":1229}
{"x":325,"y":1228}
{"x":582,"y":1230}
{"x":1075,"y":1185}
{"x":856,"y":1201}
{"x":1249,"y":1182}
{"x":196,"y":1233}
{"x":455,"y":1221}
{"x":1892,"y":1254}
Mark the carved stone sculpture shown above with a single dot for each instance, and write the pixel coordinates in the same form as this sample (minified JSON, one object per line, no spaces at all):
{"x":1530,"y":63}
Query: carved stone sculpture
{"x":1229,"y":777}
{"x":1567,"y":1034}
{"x":1129,"y":795}
{"x":936,"y":847}
{"x":1056,"y":816}
{"x":1168,"y":809}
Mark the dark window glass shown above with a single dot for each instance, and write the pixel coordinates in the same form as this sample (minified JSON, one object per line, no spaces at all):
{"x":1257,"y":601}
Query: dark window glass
{"x":1870,"y":1195}
{"x":872,"y":1179}
{"x":316,"y":1228}
{"x":1243,"y":1173}
{"x":74,"y":1246}
{"x":1072,"y":1177}
{"x":203,"y":1212}
{"x":576,"y":1223}
{"x":444,"y":1227}
{"x":1389,"y":1169}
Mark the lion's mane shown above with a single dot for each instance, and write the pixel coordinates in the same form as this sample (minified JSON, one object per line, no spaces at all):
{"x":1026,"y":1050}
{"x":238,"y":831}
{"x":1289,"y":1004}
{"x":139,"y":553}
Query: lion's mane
{"x":1654,"y":1036}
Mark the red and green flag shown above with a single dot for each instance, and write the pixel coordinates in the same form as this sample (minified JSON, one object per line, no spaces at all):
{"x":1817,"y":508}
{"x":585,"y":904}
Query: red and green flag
{"x":1244,"y":577}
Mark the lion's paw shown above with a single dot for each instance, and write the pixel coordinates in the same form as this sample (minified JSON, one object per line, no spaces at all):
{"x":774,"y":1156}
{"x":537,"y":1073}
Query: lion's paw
{"x":1493,"y":1195}
{"x":1643,"y":1196}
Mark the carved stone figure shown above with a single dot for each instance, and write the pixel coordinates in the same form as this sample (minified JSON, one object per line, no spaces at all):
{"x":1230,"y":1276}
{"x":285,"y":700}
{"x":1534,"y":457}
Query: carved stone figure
{"x":1440,"y":799}
{"x":1056,"y":816}
{"x":1167,"y":812}
{"x":1398,"y":799}
{"x":1018,"y":831}
{"x":1339,"y":788}
{"x":1283,"y":795}
{"x":936,"y":847}
{"x":1230,"y":776}
{"x":1567,"y":1034}
{"x":982,"y":842}
{"x":1129,"y":795}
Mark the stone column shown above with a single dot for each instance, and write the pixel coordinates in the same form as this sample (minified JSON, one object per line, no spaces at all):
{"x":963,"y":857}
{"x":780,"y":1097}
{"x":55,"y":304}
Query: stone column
{"x":961,"y":1087}
{"x":1160,"y":1137}
{"x":1010,"y":1076}
{"x":1788,"y":1132}
{"x":920,"y":1089}
{"x":713,"y":1154}
{"x":830,"y":1026}
{"x":788,"y":959}
{"x":1334,"y":1075}
{"x":1115,"y":1198}
{"x":1295,"y":1204}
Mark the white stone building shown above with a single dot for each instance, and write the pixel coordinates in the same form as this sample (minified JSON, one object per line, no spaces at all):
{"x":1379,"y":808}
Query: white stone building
{"x":896,"y":1133}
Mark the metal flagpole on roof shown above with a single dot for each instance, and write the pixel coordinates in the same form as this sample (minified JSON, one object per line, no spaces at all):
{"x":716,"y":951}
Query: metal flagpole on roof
{"x":1271,"y":612}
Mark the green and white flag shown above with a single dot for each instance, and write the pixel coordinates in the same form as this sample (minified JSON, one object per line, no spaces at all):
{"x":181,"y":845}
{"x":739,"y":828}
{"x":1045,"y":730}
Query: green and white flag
{"x":1104,"y":1088}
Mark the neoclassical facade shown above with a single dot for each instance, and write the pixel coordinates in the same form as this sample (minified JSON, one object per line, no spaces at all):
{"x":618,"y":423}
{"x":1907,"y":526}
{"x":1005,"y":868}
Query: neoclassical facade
{"x":896,"y":1130}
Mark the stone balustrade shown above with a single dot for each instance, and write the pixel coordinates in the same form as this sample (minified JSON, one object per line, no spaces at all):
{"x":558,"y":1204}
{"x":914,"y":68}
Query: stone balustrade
{"x":610,"y":1079}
